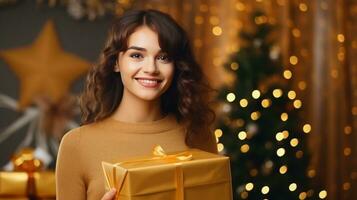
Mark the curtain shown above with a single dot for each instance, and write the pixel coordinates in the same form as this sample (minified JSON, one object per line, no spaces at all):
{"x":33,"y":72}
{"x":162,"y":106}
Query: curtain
{"x":318,"y":42}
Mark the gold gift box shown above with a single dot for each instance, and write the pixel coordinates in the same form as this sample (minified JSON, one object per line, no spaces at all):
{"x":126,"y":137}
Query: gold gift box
{"x":203,"y":176}
{"x":14,"y":185}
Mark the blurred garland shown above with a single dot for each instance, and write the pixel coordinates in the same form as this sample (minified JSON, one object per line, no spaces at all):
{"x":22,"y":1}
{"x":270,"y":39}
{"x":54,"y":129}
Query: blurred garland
{"x":79,"y":9}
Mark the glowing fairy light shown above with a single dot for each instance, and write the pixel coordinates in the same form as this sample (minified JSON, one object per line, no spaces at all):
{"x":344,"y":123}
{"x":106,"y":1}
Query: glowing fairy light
{"x":323,"y":194}
{"x":307,"y":128}
{"x":249,"y":186}
{"x":218,"y":133}
{"x":280,"y":152}
{"x":231,"y":97}
{"x":277,"y":93}
{"x":266,"y":103}
{"x":244,"y":148}
{"x":217,"y":30}
{"x":243,"y":103}
{"x":242,"y":135}
{"x":291,"y":94}
{"x":283,"y":169}
{"x":265,"y":190}
{"x":255,"y":94}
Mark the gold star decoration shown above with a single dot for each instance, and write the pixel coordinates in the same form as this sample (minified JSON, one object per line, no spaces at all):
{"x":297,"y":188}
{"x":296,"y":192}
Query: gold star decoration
{"x":44,"y":68}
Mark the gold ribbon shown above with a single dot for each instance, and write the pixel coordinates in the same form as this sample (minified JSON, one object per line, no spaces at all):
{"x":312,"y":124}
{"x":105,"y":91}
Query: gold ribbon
{"x":160,"y":154}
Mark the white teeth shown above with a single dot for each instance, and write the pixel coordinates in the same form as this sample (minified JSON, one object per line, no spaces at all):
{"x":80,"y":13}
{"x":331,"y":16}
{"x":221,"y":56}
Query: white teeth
{"x":148,"y":81}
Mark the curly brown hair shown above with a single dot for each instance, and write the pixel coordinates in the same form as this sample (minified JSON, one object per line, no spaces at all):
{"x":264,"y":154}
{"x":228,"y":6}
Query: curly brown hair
{"x":188,"y":95}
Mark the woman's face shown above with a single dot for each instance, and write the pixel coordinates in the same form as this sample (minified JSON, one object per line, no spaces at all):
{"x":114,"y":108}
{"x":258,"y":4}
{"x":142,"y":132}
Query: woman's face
{"x":145,"y":70}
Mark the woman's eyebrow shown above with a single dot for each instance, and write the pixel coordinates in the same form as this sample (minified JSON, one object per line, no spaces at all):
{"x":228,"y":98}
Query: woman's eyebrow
{"x":140,"y":48}
{"x":137,"y":48}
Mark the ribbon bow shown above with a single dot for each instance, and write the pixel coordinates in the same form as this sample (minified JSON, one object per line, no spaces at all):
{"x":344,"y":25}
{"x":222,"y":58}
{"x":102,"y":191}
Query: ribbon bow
{"x":159,"y":152}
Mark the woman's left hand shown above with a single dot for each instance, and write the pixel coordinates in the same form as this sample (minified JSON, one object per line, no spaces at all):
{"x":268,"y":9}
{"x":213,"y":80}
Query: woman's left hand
{"x":109,"y":195}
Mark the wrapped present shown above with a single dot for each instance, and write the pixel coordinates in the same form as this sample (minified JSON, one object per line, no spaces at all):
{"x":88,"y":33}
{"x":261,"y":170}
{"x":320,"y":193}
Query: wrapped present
{"x":27,"y":181}
{"x":187,"y":175}
{"x":18,"y":184}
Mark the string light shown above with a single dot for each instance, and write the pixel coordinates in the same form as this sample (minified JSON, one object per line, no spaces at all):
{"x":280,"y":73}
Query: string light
{"x":217,"y":30}
{"x":265,"y":190}
{"x":266,"y":103}
{"x":242,"y":135}
{"x":297,"y":104}
{"x":292,"y":187}
{"x":340,"y":38}
{"x":255,"y":94}
{"x":255,"y":115}
{"x":243,"y":103}
{"x":249,"y":186}
{"x":323,"y":194}
{"x":346,"y":186}
{"x":303,"y":7}
{"x":279,"y":136}
{"x":234,"y":66}
{"x":220,"y":147}
{"x":231,"y":97}
{"x":302,"y":85}
{"x":285,"y":134}
{"x":347,"y":130}
{"x":354,"y":110}
{"x":311,"y":173}
{"x":280,"y":152}
{"x":296,"y":32}
{"x":277,"y":93}
{"x":287,"y":74}
{"x":240,"y":6}
{"x":284,"y":117}
{"x":291,"y":94}
{"x":302,"y":195}
{"x":307,"y":128}
{"x":293,"y":60}
{"x":294,"y":142}
{"x":283,"y":169}
{"x":244,"y":148}
{"x":218,"y":133}
{"x":347,"y":151}
{"x":260,"y":20}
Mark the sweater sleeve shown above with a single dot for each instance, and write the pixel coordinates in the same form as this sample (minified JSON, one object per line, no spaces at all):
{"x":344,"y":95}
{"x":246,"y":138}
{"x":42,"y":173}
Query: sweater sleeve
{"x":69,"y":180}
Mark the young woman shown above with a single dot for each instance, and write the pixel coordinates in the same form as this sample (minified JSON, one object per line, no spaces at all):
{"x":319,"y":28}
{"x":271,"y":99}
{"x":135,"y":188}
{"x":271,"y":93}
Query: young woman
{"x":146,"y":89}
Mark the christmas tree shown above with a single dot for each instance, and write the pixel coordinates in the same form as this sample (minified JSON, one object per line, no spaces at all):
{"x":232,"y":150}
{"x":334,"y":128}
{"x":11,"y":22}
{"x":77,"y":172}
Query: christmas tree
{"x":260,"y":127}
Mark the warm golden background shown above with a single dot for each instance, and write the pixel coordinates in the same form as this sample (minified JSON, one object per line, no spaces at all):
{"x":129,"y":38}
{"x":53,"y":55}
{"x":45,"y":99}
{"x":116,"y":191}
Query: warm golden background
{"x":317,"y":41}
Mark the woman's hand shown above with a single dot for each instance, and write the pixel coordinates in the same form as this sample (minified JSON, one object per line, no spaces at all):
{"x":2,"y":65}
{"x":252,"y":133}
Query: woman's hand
{"x":109,"y":195}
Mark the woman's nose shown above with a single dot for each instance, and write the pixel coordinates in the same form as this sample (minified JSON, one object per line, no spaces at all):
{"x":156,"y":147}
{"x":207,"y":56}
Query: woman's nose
{"x":150,"y":67}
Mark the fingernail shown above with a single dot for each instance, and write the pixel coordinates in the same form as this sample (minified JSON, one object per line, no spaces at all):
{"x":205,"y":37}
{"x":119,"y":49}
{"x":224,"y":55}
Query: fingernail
{"x":113,"y":190}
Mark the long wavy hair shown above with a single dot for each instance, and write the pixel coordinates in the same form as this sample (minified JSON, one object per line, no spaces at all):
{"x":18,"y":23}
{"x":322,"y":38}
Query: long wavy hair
{"x":188,"y":95}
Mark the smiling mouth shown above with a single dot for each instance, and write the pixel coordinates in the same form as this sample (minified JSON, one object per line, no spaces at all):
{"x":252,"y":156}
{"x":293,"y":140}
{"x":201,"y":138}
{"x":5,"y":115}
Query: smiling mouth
{"x":149,"y":83}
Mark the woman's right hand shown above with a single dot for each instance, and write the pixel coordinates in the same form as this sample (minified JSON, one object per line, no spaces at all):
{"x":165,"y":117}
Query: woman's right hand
{"x":109,"y":195}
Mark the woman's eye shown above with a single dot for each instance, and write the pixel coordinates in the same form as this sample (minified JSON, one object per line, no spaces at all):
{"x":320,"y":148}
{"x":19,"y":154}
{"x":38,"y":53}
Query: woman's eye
{"x":164,"y":58}
{"x":136,"y":55}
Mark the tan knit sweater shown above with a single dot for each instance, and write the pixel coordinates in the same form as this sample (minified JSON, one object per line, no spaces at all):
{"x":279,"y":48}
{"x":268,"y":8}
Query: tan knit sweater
{"x":78,"y":171}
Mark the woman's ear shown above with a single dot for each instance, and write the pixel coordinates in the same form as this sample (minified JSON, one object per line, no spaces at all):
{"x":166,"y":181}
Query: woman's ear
{"x":116,"y":67}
